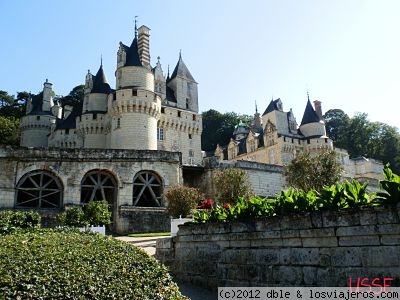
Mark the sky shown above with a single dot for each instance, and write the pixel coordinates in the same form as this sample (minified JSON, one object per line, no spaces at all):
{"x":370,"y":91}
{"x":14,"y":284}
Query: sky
{"x":345,"y":53}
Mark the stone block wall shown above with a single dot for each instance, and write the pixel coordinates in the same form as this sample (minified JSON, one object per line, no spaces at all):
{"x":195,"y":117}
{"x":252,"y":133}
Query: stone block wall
{"x":313,"y":249}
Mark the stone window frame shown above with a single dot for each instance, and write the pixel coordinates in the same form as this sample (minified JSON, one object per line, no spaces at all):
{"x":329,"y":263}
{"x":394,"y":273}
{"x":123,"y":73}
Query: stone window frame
{"x":147,"y":189}
{"x":42,"y":186}
{"x":100,"y":182}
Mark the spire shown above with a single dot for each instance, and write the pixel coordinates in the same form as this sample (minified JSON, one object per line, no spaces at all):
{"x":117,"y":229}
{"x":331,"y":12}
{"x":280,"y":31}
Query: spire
{"x":100,"y":83}
{"x":181,"y":70}
{"x":309,"y":116}
{"x":168,"y":74}
{"x":136,"y":27}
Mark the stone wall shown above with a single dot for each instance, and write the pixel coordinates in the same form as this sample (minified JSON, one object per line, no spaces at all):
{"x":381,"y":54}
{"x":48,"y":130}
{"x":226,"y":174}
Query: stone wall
{"x":317,"y":249}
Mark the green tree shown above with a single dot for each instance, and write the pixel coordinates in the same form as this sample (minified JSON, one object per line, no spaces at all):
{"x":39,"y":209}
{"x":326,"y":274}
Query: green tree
{"x":230,"y":185}
{"x":337,"y":123}
{"x":309,"y":171}
{"x":218,"y":128}
{"x":9,"y":131}
{"x":74,"y":97}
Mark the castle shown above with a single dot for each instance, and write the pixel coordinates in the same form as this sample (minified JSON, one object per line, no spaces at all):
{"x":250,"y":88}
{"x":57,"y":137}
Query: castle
{"x":146,"y":110}
{"x":128,"y":145}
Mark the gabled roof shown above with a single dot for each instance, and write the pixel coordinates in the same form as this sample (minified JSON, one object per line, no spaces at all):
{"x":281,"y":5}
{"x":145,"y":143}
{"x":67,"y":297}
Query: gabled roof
{"x":309,"y":116}
{"x":181,"y":70}
{"x":132,"y":54}
{"x":100,"y":83}
{"x":273,"y":105}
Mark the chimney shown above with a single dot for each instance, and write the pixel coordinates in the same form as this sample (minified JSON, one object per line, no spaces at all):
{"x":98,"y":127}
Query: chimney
{"x":143,"y":45}
{"x":47,"y":96}
{"x":318,"y":108}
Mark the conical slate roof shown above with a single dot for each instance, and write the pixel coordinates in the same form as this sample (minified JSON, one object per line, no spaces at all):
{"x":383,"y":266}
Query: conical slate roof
{"x":100,"y":83}
{"x":273,"y":105}
{"x":309,"y":116}
{"x":132,"y":54}
{"x":181,"y":70}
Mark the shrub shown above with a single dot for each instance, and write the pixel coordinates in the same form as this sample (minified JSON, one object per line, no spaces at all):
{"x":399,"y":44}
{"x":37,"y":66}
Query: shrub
{"x":182,"y":200}
{"x":390,"y":187}
{"x":12,"y":220}
{"x":230,"y":185}
{"x":49,"y":264}
{"x":95,"y":213}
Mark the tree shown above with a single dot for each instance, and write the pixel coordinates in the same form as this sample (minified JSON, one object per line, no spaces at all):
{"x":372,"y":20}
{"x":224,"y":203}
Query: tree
{"x":218,"y":128}
{"x":309,"y":171}
{"x":336,"y":123}
{"x":9,"y":131}
{"x":74,"y":97}
{"x":230,"y":184}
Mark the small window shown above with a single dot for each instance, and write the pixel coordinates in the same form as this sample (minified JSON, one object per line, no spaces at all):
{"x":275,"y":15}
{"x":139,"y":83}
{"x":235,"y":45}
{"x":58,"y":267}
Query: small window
{"x":94,"y":116}
{"x":179,"y":114}
{"x":187,"y":103}
{"x":66,"y":131}
{"x":163,"y":110}
{"x":191,"y":153}
{"x":308,"y":141}
{"x":190,"y":136}
{"x":326,"y":141}
{"x":38,"y":118}
{"x":134,"y":93}
{"x":115,"y":96}
{"x":194,"y":117}
{"x":119,"y":123}
{"x":160,"y":134}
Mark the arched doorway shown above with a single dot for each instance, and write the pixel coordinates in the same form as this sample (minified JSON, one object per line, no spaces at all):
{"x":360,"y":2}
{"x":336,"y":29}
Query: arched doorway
{"x":147,"y":189}
{"x":39,"y":189}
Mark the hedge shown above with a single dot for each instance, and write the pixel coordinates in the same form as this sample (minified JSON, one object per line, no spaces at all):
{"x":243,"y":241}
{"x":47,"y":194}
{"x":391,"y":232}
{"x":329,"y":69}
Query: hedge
{"x":52,"y":264}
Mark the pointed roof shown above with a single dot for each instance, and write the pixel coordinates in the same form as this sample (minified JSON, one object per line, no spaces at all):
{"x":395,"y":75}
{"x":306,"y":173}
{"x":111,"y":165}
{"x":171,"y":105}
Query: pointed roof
{"x":132,"y":54}
{"x":100,"y":83}
{"x":181,"y":70}
{"x":309,"y":116}
{"x":273,"y":105}
{"x":37,"y":103}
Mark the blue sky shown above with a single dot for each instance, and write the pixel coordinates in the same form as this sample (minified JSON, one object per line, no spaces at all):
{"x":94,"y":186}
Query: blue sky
{"x":345,"y":52}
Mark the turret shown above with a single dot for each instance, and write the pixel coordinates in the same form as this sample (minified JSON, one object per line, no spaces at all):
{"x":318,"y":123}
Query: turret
{"x":311,"y":124}
{"x":159,"y":80}
{"x":134,"y":108}
{"x":47,"y":103}
{"x":184,"y":87}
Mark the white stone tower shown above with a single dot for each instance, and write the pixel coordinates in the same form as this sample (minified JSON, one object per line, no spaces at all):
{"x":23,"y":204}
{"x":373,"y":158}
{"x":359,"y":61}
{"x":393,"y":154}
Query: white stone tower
{"x":134,"y":108}
{"x":36,"y":124}
{"x":92,"y":124}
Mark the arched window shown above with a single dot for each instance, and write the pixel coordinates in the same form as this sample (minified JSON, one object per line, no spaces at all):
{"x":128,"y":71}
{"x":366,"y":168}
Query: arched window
{"x":39,"y":189}
{"x":98,"y":185}
{"x":147,"y":189}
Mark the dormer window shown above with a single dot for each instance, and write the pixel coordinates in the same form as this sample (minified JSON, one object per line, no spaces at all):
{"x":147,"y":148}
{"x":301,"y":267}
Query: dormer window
{"x":134,"y":92}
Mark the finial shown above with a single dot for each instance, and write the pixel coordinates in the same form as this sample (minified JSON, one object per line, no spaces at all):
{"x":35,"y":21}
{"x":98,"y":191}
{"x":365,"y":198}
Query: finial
{"x":158,"y":59}
{"x":101,"y":60}
{"x":255,"y":101}
{"x":88,"y":71}
{"x":308,"y":95}
{"x":136,"y":26}
{"x":168,"y":72}
{"x":47,"y":80}
{"x":180,"y":53}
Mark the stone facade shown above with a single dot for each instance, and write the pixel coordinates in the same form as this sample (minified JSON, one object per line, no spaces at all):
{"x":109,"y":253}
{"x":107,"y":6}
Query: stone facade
{"x":317,"y":249}
{"x":52,"y":179}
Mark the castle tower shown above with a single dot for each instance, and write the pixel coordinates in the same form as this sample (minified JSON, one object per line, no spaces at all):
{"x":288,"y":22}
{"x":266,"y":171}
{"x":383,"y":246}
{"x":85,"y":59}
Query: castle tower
{"x":311,"y":124}
{"x":93,"y":121}
{"x":143,"y":45}
{"x":159,"y":80}
{"x":36,"y":124}
{"x":134,"y":107}
{"x":184,"y":87}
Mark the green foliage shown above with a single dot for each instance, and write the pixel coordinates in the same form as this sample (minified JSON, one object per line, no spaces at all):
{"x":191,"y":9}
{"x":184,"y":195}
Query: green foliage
{"x":231,"y":184}
{"x":95,"y":213}
{"x":218,"y":128}
{"x":182,"y":200}
{"x":295,"y":201}
{"x":390,"y":186}
{"x":9,"y":131}
{"x":74,"y":97}
{"x":50,"y":264}
{"x":14,"y":220}
{"x":313,"y":171}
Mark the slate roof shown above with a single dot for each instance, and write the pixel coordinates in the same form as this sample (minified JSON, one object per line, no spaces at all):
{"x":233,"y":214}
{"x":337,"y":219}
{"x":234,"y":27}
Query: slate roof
{"x":170,"y":95}
{"x":309,"y":116}
{"x":132,"y":54}
{"x":273,"y":105}
{"x":100,"y":83}
{"x":37,"y":102}
{"x":181,"y":70}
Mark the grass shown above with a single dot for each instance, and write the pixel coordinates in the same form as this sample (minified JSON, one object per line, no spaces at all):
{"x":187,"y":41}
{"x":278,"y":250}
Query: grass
{"x":149,"y":234}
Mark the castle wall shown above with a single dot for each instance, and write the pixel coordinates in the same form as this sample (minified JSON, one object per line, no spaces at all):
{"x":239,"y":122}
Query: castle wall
{"x":317,"y":249}
{"x":70,"y":166}
{"x":133,"y":76}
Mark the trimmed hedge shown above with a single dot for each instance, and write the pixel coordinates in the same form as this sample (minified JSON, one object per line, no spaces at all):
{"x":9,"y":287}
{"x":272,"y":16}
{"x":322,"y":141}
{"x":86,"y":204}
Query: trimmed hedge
{"x":56,"y":264}
{"x":14,"y":220}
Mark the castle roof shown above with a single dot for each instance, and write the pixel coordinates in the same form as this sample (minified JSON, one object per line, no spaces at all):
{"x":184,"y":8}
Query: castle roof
{"x":37,"y":106}
{"x":170,"y":94}
{"x":132,"y":54}
{"x":100,"y":83}
{"x":181,"y":70}
{"x":273,"y":105}
{"x":309,"y":116}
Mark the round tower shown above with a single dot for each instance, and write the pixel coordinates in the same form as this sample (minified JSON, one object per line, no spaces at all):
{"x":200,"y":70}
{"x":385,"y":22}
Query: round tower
{"x":134,"y":108}
{"x":36,"y":124}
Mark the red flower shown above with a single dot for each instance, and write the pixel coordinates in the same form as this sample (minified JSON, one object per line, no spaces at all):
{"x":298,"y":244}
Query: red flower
{"x":207,"y":204}
{"x":227,"y":206}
